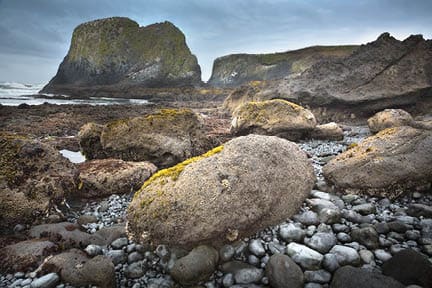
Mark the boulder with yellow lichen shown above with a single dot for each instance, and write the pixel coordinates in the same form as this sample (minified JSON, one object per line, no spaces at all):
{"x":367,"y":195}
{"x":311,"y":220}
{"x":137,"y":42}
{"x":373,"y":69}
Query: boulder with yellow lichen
{"x":230,"y":192}
{"x":163,"y":138}
{"x":389,"y":118}
{"x":273,"y":117}
{"x":388,"y":164}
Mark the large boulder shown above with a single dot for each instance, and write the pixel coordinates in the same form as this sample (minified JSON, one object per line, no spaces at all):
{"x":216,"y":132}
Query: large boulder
{"x":389,"y":118}
{"x":386,"y":164}
{"x":237,"y":69}
{"x":273,"y":117}
{"x":350,"y":277}
{"x":77,"y":269}
{"x":33,"y":177}
{"x":409,"y":267}
{"x":117,"y":51}
{"x":232,"y":191}
{"x":103,"y":177}
{"x":382,"y":74}
{"x":164,"y":138}
{"x":25,"y":255}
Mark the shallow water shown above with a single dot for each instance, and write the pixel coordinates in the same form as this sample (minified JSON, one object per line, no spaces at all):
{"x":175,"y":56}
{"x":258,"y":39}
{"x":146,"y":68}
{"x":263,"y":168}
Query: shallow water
{"x":14,"y":94}
{"x":74,"y":157}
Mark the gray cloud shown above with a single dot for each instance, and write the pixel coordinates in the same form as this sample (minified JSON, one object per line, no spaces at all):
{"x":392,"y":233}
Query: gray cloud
{"x":35,"y":34}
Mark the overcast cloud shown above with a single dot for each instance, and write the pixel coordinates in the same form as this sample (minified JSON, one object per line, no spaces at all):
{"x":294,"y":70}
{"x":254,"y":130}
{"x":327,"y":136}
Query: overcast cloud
{"x":35,"y":34}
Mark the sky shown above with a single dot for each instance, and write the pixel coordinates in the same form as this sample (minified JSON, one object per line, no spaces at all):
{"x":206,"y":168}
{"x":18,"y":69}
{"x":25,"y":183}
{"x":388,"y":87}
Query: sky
{"x":35,"y":34}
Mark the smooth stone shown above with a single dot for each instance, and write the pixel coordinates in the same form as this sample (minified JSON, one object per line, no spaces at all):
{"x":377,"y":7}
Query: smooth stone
{"x":382,"y":228}
{"x":351,"y":277}
{"x":305,"y":256}
{"x":366,"y":236}
{"x":256,"y":247}
{"x":318,"y":204}
{"x":349,"y":198}
{"x":119,"y":243}
{"x":26,"y":282}
{"x":318,"y":276}
{"x":382,"y":255}
{"x":343,"y":237}
{"x":135,"y":257}
{"x":117,"y":256}
{"x":330,"y":262}
{"x":321,"y":242}
{"x":383,"y":242}
{"x":398,"y":226}
{"x":409,"y":267}
{"x":329,"y":216}
{"x":226,"y":253}
{"x":313,"y":285}
{"x":93,"y":250}
{"x":283,"y":272}
{"x":364,"y":209}
{"x":346,"y":255}
{"x":291,"y":232}
{"x":366,"y":256}
{"x":276,"y":248}
{"x":135,"y":270}
{"x":355,"y":217}
{"x":228,"y":280}
{"x":412,"y":234}
{"x":197,"y":266}
{"x":340,"y":228}
{"x":253,"y":260}
{"x":307,"y":218}
{"x":418,"y":210}
{"x":47,"y":281}
{"x":248,"y":275}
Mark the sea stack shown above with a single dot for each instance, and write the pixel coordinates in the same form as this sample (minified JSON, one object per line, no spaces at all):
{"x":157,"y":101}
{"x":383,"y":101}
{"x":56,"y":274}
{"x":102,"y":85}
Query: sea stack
{"x":118,"y":52}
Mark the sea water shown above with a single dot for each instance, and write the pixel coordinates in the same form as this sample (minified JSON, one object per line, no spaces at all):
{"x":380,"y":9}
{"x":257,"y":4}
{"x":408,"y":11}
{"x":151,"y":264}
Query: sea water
{"x":14,"y":94}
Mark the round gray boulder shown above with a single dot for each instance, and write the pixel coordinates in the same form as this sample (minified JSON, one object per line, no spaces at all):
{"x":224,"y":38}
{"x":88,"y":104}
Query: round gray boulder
{"x":232,"y":191}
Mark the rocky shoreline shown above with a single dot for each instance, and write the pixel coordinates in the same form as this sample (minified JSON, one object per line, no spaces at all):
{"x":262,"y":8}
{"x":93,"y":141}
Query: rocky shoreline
{"x":329,"y":231}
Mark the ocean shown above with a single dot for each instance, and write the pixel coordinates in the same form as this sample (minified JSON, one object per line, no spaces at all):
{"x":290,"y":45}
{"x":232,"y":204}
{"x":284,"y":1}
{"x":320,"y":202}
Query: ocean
{"x":14,"y":94}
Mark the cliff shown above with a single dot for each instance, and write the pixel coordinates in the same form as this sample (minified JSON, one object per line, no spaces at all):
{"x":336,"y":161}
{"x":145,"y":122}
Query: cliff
{"x":237,"y":69}
{"x":118,"y":51}
{"x":385,"y":73}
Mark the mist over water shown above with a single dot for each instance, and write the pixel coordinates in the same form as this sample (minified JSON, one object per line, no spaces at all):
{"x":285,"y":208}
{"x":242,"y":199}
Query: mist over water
{"x":14,"y":94}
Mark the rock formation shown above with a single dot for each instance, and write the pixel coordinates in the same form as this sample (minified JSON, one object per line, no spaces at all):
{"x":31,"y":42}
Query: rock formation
{"x":116,"y":51}
{"x":231,"y":191}
{"x":386,"y":164}
{"x":237,"y":69}
{"x":163,"y":138}
{"x":381,"y":74}
{"x":33,"y":177}
{"x":273,"y":117}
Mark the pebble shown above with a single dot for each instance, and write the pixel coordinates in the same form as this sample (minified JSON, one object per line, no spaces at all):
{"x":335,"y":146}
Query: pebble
{"x":321,"y":242}
{"x":93,"y":250}
{"x":366,"y":256}
{"x":248,"y":275}
{"x":346,"y":255}
{"x":318,"y":276}
{"x":119,"y":243}
{"x":382,"y":255}
{"x":256,"y":247}
{"x":343,"y":237}
{"x":307,"y":218}
{"x":291,"y":232}
{"x":228,"y":280}
{"x":330,"y":262}
{"x":226,"y":253}
{"x":305,"y":256}
{"x":364,"y":209}
{"x":47,"y":281}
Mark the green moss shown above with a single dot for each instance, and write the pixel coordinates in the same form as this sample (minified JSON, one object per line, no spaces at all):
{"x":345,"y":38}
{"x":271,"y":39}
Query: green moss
{"x":10,"y":145}
{"x":117,"y":41}
{"x":264,"y":110}
{"x":172,"y":173}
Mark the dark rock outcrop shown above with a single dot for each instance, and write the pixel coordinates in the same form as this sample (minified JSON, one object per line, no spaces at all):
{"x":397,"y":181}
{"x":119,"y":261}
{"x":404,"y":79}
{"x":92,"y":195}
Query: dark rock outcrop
{"x":33,"y":177}
{"x":118,"y":51}
{"x":231,"y":191}
{"x":237,"y":69}
{"x":350,"y":277}
{"x":386,"y":73}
